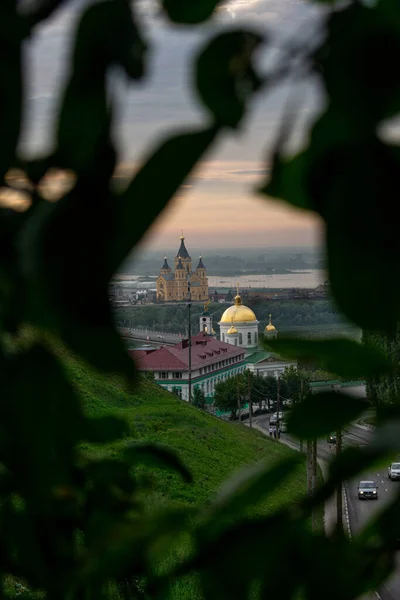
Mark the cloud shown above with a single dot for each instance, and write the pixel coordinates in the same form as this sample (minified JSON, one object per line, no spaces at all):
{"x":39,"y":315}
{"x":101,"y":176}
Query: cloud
{"x":219,"y":198}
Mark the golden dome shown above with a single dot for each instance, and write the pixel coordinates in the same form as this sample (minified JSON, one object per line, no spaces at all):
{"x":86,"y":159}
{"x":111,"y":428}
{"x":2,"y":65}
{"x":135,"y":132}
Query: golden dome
{"x":238,"y":313}
{"x":232,"y":330}
{"x":270,"y":327}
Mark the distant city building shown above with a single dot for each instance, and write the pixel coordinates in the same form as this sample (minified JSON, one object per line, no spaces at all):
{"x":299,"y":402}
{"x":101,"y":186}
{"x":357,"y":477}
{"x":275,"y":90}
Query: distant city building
{"x":172,"y":286}
{"x":239,"y":327}
{"x":265,"y":364}
{"x":212,"y":361}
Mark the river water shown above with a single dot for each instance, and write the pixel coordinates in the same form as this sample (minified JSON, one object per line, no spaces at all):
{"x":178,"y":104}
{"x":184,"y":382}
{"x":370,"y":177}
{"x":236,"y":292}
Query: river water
{"x":307,"y":278}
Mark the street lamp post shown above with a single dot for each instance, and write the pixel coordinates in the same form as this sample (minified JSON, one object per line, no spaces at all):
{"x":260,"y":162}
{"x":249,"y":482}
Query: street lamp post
{"x":278,"y":405}
{"x":189,"y":305}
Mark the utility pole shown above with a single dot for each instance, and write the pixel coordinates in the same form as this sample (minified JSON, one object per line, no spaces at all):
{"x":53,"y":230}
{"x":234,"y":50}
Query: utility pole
{"x":309,"y":467}
{"x":339,"y":489}
{"x":238,"y":400}
{"x":250,"y":402}
{"x":189,"y":304}
{"x":301,"y":399}
{"x":278,"y":431}
{"x":314,"y":480}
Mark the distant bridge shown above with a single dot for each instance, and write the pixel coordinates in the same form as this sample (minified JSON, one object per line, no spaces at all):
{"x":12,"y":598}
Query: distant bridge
{"x":159,"y":338}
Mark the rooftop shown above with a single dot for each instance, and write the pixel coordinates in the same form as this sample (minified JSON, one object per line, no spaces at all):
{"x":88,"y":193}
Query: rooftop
{"x":205,"y":351}
{"x":259,"y":355}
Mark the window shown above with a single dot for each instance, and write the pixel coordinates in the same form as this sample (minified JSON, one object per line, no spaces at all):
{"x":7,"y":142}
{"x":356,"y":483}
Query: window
{"x":223,"y":337}
{"x":249,"y":337}
{"x":256,"y":338}
{"x":163,"y":375}
{"x":235,"y":341}
{"x":177,"y":375}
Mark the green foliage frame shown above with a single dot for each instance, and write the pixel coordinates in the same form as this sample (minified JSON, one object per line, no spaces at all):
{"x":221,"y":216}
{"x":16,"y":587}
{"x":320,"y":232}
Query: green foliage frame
{"x":71,"y":527}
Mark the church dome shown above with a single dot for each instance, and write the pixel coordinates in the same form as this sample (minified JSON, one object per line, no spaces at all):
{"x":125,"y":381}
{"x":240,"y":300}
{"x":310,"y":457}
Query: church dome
{"x":238,"y":313}
{"x":232,"y":330}
{"x":270,"y":327}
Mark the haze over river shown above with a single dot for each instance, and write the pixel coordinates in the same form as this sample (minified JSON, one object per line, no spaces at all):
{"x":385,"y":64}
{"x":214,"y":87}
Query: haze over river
{"x":307,"y":278}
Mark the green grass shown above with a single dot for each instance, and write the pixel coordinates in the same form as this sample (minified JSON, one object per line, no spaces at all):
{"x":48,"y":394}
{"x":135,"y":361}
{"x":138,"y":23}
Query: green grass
{"x":212,"y":449}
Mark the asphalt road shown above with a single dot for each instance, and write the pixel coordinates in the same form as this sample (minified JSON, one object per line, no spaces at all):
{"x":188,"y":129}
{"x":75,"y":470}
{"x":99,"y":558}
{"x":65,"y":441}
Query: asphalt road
{"x":360,"y":511}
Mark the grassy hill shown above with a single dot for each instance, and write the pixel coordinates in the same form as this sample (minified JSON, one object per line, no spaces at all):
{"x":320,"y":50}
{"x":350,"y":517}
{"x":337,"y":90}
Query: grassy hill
{"x":212,"y":449}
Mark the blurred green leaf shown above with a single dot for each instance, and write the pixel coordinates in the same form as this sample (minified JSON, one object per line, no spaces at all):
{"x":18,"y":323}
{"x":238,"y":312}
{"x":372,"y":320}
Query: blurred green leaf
{"x":355,"y":570}
{"x":250,"y":486}
{"x":287,"y":180}
{"x":196,"y":11}
{"x":114,"y":546}
{"x":107,"y":36}
{"x":12,"y":34}
{"x":320,"y":414}
{"x":225,"y":76}
{"x":386,"y":437}
{"x":156,"y":455}
{"x":106,"y":429}
{"x":359,"y":272}
{"x":64,"y":261}
{"x":38,"y":459}
{"x":111,"y":487}
{"x":68,"y":241}
{"x":355,"y":62}
{"x":20,"y":537}
{"x":339,"y":356}
{"x":227,"y":561}
{"x":352,"y":461}
{"x":151,"y":189}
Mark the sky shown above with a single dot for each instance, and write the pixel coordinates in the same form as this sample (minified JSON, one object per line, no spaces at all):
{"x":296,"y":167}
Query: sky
{"x":219,"y":207}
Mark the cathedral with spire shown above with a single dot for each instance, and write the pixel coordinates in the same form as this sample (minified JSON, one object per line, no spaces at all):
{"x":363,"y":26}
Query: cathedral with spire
{"x":172,"y":286}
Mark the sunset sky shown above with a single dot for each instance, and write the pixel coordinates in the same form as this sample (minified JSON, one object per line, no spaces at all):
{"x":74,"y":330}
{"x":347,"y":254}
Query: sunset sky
{"x":219,"y":204}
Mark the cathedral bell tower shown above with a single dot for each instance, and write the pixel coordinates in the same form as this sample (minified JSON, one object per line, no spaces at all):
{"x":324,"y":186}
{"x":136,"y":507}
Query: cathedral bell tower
{"x":206,"y":321}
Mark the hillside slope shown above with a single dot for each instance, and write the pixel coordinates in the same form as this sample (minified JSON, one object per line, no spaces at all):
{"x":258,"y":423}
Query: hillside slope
{"x":211,"y":448}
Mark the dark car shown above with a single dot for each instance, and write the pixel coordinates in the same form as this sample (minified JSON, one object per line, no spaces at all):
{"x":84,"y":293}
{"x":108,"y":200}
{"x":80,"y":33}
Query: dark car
{"x":331,"y":438}
{"x":367,"y":490}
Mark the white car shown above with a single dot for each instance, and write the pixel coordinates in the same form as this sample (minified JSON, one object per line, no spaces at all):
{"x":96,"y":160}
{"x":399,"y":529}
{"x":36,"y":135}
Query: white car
{"x":394,"y":471}
{"x":274,"y":417}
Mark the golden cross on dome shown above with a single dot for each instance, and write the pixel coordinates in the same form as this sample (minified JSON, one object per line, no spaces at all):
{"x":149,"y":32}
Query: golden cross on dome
{"x":182,"y":236}
{"x":237,"y":288}
{"x":270,"y":318}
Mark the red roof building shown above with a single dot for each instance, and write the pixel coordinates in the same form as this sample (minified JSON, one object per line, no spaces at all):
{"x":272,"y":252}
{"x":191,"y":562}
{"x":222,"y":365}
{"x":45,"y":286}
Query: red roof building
{"x":212,"y":361}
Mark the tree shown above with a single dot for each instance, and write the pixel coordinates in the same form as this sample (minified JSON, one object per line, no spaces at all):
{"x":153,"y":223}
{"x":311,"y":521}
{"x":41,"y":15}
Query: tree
{"x":384,"y":389}
{"x":227,"y":392}
{"x":225,"y":399}
{"x":263,"y":389}
{"x":198,"y":397}
{"x":296,"y":383}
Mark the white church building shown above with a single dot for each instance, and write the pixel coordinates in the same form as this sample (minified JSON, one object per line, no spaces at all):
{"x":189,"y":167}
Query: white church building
{"x":239,"y":326}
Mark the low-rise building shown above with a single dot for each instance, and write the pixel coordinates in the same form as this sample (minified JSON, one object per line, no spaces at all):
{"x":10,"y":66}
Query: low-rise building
{"x":211,"y":361}
{"x":265,"y":364}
